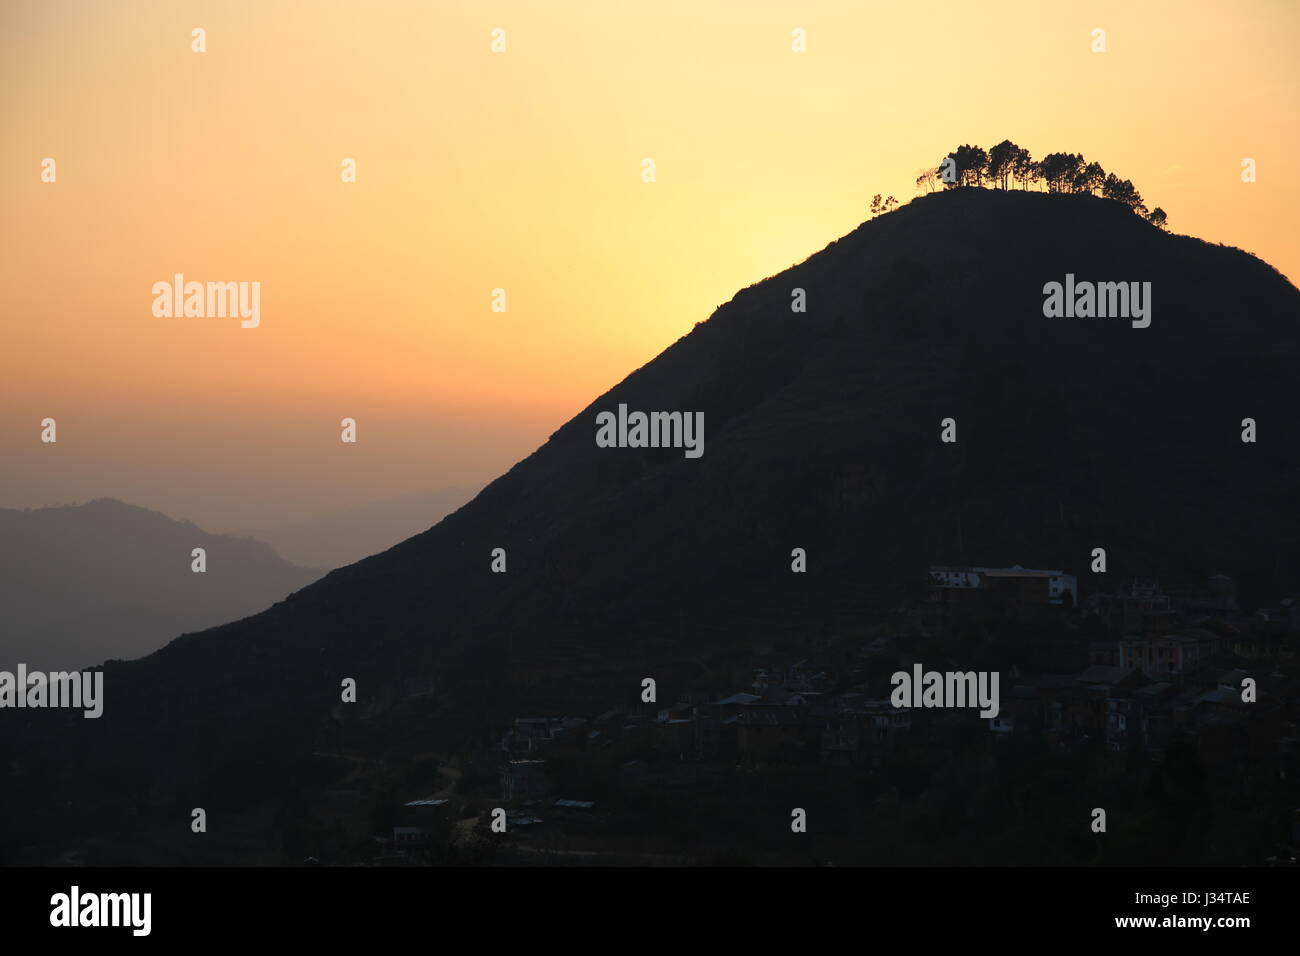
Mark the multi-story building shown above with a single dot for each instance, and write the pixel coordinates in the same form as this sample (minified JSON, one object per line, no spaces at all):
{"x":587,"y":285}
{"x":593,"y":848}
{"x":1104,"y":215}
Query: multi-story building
{"x":1166,"y":656}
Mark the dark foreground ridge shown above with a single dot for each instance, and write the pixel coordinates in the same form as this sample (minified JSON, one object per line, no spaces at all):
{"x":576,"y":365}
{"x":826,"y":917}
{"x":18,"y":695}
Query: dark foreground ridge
{"x":822,"y":432}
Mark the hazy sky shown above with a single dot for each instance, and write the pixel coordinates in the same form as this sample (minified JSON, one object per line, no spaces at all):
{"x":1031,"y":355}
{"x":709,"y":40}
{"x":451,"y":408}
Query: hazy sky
{"x":518,"y":170}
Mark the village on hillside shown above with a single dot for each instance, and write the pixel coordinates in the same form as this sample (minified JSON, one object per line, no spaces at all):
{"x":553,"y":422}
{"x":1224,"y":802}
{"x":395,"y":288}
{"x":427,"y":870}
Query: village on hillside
{"x":1122,"y":677}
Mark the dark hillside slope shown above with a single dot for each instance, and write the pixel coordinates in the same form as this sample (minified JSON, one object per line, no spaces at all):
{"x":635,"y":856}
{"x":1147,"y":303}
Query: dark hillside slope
{"x":822,"y":432}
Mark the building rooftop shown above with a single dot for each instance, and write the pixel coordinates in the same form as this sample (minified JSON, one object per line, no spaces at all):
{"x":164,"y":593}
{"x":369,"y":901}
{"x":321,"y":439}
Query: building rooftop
{"x":741,"y":698}
{"x":1102,"y":674}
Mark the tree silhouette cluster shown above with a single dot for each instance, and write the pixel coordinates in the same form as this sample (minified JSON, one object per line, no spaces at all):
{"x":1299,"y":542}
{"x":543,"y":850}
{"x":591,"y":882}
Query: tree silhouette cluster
{"x":880,"y":206}
{"x":1006,"y":163}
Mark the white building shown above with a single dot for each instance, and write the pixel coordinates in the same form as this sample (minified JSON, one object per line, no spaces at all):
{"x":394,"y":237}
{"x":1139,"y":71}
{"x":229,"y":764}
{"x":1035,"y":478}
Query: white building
{"x":1058,"y":582}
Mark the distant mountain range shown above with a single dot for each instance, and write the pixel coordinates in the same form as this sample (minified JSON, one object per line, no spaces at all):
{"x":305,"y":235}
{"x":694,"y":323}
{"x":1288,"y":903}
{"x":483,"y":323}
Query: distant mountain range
{"x":335,"y":540}
{"x":822,"y":432}
{"x":85,"y":583}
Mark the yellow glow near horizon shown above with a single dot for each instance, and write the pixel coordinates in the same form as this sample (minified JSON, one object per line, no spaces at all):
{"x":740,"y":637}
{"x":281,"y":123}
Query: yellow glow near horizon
{"x":521,"y":171}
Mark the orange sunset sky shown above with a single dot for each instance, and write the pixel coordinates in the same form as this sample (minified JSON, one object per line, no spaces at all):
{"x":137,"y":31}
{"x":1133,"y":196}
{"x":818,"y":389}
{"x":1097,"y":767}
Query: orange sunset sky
{"x":519,"y":170}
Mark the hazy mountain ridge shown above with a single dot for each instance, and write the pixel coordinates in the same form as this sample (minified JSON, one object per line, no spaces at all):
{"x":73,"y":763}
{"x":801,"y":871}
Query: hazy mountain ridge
{"x":80,"y":584}
{"x":346,"y":536}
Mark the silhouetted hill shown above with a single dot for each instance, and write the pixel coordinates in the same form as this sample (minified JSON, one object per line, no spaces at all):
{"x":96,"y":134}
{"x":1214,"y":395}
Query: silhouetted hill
{"x":333,"y":540}
{"x":84,"y":583}
{"x":822,"y":432}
